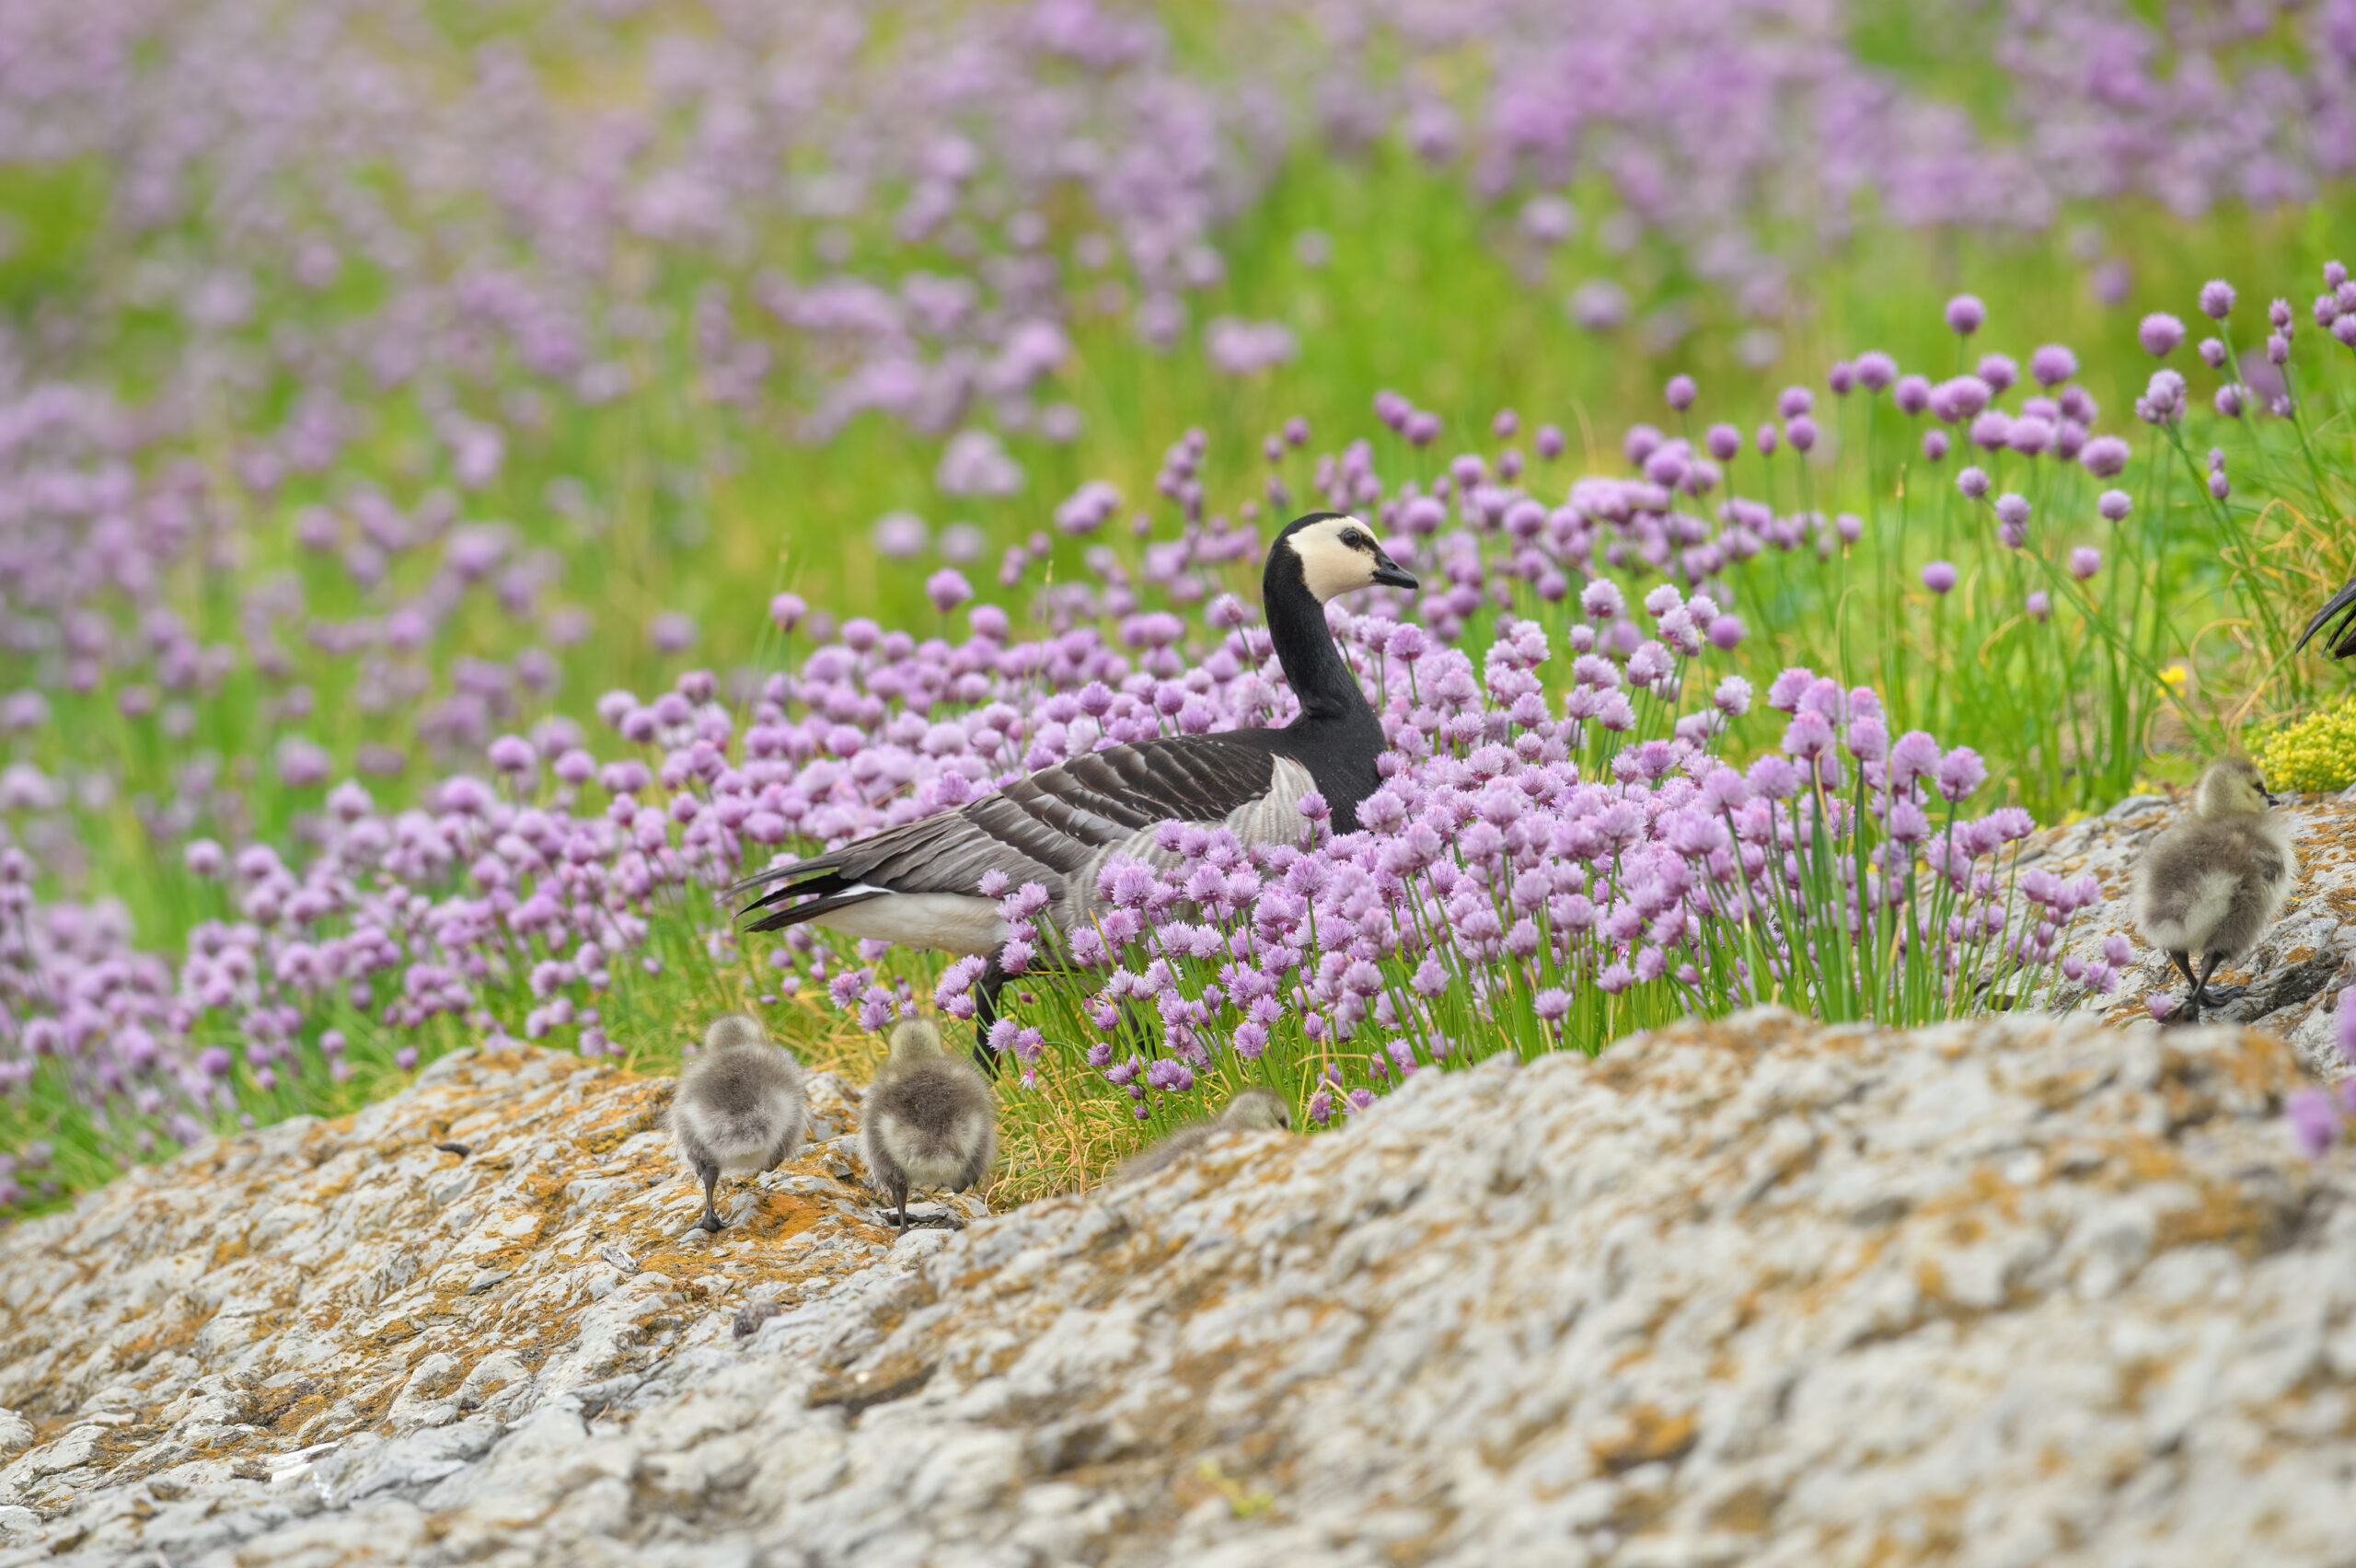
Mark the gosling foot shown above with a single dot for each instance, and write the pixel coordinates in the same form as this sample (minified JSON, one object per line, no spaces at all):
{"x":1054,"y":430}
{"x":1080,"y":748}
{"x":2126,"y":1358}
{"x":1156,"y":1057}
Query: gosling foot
{"x":2219,"y":995}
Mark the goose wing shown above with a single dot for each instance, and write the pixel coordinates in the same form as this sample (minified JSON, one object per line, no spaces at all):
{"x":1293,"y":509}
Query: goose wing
{"x":1048,"y":827}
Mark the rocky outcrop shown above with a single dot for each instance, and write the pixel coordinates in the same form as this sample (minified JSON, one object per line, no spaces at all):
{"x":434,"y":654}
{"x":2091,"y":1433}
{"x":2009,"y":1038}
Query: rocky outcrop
{"x":2295,"y":976}
{"x":2023,"y":1292}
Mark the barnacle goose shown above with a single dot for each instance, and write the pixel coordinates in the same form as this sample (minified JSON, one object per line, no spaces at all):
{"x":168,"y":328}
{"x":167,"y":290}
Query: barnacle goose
{"x":1255,"y":1110}
{"x":916,"y":884}
{"x":2211,"y":886}
{"x":926,"y":1121}
{"x":742,"y":1107}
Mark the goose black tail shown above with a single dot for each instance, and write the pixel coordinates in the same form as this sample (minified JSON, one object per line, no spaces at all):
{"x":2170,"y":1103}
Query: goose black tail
{"x":2337,"y":618}
{"x":819,"y":883}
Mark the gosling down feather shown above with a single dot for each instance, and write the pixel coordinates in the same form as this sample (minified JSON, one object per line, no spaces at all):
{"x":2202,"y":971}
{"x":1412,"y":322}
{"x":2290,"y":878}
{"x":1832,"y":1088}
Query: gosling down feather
{"x":1255,"y":1110}
{"x":742,"y":1107}
{"x":2211,"y":886}
{"x":917,"y":884}
{"x":927,"y":1120}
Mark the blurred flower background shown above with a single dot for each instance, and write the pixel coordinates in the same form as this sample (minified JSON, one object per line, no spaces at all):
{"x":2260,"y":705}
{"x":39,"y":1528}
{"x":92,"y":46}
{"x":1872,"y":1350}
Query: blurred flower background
{"x":475,"y":480}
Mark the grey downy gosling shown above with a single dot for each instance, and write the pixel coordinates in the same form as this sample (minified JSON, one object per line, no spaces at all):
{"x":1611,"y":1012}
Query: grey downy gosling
{"x":917,"y":884}
{"x":1255,"y":1110}
{"x":2211,"y":886}
{"x":927,"y":1121}
{"x":742,"y":1107}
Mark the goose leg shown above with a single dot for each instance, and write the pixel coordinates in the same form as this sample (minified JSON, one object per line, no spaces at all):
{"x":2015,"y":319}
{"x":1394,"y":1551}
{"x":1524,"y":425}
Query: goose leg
{"x":709,"y":1175}
{"x":2217,"y":996}
{"x":986,"y":990}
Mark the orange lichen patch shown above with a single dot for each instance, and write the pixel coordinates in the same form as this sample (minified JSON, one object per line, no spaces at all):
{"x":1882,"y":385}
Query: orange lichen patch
{"x":1647,"y":1436}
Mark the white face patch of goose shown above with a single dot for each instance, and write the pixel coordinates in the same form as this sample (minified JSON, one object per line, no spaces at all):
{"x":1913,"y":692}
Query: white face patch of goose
{"x":1327,"y":565}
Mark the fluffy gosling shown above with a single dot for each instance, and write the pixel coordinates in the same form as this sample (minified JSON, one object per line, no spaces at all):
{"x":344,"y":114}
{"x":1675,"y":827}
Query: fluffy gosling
{"x":2211,"y":886}
{"x":927,"y":1121}
{"x":742,"y":1107}
{"x":1255,"y":1110}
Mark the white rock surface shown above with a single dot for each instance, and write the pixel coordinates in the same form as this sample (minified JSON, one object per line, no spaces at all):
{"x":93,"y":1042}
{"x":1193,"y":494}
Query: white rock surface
{"x":2022,"y":1293}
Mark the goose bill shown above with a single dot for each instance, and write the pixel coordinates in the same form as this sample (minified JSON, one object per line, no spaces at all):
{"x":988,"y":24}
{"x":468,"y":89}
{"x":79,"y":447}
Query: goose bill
{"x":1389,"y":574}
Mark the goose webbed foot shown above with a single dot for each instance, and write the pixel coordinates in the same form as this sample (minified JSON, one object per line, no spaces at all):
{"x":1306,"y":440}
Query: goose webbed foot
{"x":2218,"y":995}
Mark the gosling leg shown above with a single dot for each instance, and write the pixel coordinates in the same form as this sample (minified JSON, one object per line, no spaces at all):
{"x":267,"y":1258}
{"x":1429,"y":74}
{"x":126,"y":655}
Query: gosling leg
{"x":2218,"y":995}
{"x":2189,"y":1009}
{"x":710,"y":1173}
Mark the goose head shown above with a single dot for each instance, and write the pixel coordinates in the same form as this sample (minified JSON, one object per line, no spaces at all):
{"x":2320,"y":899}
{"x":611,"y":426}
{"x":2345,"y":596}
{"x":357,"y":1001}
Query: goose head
{"x":1257,"y":1108}
{"x":1335,"y":554}
{"x":733,"y":1028}
{"x":914,"y":1040}
{"x":2232,"y":786}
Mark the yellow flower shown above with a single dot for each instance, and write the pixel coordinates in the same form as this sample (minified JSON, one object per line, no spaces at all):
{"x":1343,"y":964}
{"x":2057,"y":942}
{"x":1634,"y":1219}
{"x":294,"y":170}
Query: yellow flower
{"x":2174,"y":676}
{"x":2318,"y":753}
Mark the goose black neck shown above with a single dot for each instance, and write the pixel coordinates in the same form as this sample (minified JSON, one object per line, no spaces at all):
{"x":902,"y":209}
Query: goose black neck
{"x":1320,"y":676}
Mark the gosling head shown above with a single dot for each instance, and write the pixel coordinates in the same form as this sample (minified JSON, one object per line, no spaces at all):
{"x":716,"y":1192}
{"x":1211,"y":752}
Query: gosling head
{"x":914,"y":1040}
{"x":1258,"y":1108}
{"x":733,"y":1028}
{"x":1335,"y":554}
{"x":2232,"y":786}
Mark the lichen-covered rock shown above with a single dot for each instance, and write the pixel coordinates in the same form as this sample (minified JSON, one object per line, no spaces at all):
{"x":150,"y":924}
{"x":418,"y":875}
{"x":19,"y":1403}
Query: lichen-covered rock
{"x":2296,"y":974}
{"x":2025,"y":1292}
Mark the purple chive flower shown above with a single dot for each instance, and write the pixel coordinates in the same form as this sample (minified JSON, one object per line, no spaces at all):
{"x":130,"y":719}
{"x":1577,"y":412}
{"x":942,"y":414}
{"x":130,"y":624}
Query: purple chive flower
{"x":1998,"y":371}
{"x":2315,"y":1121}
{"x":2039,"y":604}
{"x":2012,"y":508}
{"x":1549,"y":441}
{"x":788,"y":610}
{"x":2216,"y":299}
{"x":2052,"y":364}
{"x":1680,"y":392}
{"x":1726,"y":633}
{"x":1935,"y":445}
{"x":2160,"y":333}
{"x":1939,"y":577}
{"x":1960,"y":772}
{"x":2105,"y":456}
{"x":1766,"y":440}
{"x":2213,"y":352}
{"x":1724,"y":442}
{"x":1875,"y":370}
{"x":2085,"y":561}
{"x":1972,"y":481}
{"x":1794,"y":401}
{"x":1842,"y":378}
{"x":1966,"y":314}
{"x":2228,"y":402}
{"x":2346,"y":1033}
{"x":1912,"y":394}
{"x":1800,"y":430}
{"x":947,"y":589}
